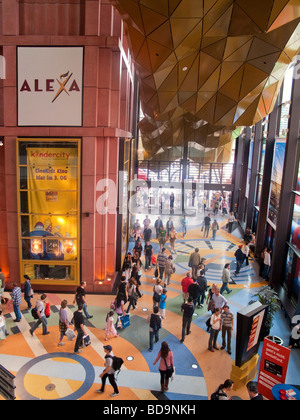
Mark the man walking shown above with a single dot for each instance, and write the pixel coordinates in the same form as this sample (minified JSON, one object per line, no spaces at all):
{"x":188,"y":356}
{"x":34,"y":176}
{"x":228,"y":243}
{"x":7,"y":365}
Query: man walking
{"x":227,"y":328}
{"x":226,"y":279}
{"x":194,"y":291}
{"x":194,"y":262}
{"x":79,"y":327}
{"x":157,"y":225}
{"x":109,"y":372}
{"x":16,"y":300}
{"x":81,"y":299}
{"x":206,"y":222}
{"x":239,"y":256}
{"x":201,"y":280}
{"x":187,"y":309}
{"x":155,"y":324}
{"x":148,"y":251}
{"x":161,"y":262}
{"x":40,"y":310}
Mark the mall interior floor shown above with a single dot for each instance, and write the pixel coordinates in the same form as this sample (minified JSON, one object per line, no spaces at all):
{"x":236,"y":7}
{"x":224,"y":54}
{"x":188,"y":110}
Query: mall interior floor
{"x":45,"y":370}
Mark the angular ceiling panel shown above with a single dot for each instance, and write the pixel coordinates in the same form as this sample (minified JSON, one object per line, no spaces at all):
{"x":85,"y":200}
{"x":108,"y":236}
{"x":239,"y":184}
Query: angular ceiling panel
{"x":207,"y":65}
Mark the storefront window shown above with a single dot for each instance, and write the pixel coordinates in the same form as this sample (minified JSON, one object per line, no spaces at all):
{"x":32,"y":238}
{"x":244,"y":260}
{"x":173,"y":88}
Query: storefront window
{"x":49,"y":209}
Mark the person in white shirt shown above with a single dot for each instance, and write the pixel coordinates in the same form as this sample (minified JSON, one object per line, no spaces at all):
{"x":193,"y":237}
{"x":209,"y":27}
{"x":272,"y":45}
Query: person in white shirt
{"x":2,"y":325}
{"x":215,"y":322}
{"x":230,"y":221}
{"x":267,"y":264}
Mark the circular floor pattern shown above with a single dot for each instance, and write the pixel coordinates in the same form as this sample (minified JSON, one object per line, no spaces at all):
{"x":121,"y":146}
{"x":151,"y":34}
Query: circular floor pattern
{"x":24,"y":393}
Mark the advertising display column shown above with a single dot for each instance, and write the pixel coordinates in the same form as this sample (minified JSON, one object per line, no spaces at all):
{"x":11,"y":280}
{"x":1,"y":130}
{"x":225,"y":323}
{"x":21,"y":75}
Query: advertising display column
{"x":49,"y":209}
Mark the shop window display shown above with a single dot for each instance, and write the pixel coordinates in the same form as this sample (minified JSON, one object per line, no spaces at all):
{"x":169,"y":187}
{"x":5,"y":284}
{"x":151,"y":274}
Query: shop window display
{"x":49,"y":209}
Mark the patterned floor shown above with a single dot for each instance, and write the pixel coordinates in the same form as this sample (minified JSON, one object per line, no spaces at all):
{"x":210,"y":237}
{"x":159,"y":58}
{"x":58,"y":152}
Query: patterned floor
{"x":45,"y":371}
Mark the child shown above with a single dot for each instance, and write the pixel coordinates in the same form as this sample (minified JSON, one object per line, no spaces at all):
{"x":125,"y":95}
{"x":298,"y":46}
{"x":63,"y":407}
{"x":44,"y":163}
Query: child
{"x":109,"y":328}
{"x":2,"y":325}
{"x":162,"y":303}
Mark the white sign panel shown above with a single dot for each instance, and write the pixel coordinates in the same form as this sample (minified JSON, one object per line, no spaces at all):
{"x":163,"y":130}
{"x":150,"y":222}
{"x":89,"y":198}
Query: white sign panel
{"x":50,"y":83}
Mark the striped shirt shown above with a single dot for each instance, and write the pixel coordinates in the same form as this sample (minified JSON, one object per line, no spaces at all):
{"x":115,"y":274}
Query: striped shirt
{"x":227,"y":319}
{"x":162,"y":259}
{"x":16,"y":296}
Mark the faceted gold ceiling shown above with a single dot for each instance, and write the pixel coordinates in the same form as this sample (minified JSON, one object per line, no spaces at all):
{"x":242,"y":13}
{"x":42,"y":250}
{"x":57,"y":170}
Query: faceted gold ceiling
{"x":207,"y":66}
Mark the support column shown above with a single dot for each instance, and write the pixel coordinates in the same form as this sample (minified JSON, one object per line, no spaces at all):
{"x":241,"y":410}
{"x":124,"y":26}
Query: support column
{"x":266,"y":182}
{"x":254,"y":173}
{"x":238,"y":163}
{"x":244,"y":176}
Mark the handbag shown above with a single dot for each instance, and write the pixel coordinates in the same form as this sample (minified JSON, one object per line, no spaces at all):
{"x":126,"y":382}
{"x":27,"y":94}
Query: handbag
{"x":31,"y":292}
{"x":170,"y":369}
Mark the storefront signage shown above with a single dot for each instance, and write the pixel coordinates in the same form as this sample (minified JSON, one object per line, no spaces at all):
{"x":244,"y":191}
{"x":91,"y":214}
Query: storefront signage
{"x":50,"y":83}
{"x":273,"y":367}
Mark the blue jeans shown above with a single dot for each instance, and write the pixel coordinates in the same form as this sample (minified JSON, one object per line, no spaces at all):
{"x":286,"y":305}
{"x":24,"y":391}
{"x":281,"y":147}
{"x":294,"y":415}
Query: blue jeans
{"x":153,"y":334}
{"x":85,"y":311}
{"x":17,"y":312}
{"x":206,"y":231}
{"x":147,"y":261}
{"x":41,"y":320}
{"x":225,"y":287}
{"x":239,"y":264}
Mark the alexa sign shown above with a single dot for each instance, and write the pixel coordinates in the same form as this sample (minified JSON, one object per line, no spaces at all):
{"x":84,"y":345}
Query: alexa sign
{"x":50,"y":86}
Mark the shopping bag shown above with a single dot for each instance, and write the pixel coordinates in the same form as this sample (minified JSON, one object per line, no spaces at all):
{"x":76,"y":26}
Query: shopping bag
{"x":125,"y":320}
{"x":86,"y":340}
{"x":70,"y":334}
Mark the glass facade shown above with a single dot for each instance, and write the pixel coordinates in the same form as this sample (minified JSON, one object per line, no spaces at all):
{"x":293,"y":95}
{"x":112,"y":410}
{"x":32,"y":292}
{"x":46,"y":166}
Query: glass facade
{"x":49,"y":209}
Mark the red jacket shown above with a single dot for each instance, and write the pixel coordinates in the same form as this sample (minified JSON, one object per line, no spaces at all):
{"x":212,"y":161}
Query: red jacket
{"x":185,"y":284}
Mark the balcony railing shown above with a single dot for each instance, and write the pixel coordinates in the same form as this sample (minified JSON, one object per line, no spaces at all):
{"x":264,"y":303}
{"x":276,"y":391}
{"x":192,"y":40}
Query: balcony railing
{"x":207,"y":173}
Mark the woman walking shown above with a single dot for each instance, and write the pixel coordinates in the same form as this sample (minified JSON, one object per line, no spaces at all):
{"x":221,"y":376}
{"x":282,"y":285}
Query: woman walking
{"x":63,"y":321}
{"x":166,"y":365}
{"x":132,"y":294}
{"x":28,"y":292}
{"x":172,"y":238}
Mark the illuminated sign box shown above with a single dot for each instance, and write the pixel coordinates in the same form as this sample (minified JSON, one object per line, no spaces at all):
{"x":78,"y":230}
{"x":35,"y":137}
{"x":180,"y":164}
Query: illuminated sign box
{"x":249,"y":324}
{"x":50,"y":83}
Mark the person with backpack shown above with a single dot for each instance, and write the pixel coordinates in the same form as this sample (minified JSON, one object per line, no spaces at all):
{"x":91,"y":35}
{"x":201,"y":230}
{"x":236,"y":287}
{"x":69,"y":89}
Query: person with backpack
{"x":109,"y":371}
{"x":40,"y":311}
{"x":155,"y":324}
{"x":221,"y":393}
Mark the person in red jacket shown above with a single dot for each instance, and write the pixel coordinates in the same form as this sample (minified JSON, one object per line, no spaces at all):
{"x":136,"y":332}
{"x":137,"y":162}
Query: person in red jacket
{"x":185,"y":285}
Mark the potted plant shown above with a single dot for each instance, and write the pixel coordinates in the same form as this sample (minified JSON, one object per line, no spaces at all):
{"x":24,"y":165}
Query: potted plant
{"x":267,"y":296}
